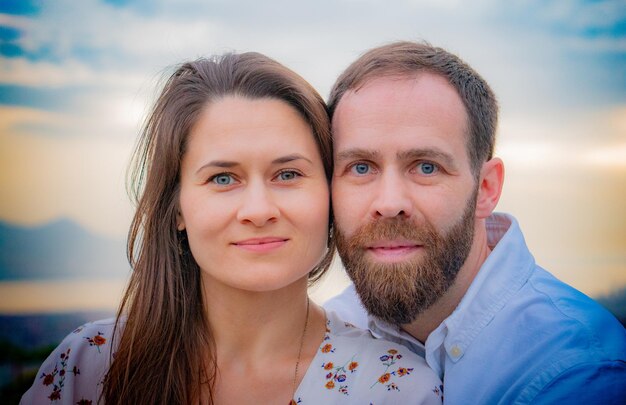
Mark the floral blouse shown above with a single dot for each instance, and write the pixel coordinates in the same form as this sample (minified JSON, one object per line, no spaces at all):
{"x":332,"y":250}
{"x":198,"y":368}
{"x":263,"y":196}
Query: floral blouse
{"x":350,"y":367}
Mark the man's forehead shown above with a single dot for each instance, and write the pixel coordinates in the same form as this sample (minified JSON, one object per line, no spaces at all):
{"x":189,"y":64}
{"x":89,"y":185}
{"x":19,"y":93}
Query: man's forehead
{"x":408,"y":94}
{"x":381,"y":86}
{"x":400,"y":113}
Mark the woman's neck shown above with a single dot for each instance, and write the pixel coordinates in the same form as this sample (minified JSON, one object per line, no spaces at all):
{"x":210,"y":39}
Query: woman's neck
{"x":258,"y":336}
{"x":245,"y":321}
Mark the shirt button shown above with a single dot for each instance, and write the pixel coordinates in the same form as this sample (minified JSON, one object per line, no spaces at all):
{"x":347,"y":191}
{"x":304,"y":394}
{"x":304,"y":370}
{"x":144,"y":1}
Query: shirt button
{"x":455,"y":351}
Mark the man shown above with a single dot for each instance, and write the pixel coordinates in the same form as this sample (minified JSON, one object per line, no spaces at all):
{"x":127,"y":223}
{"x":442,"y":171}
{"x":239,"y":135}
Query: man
{"x":414,"y":186}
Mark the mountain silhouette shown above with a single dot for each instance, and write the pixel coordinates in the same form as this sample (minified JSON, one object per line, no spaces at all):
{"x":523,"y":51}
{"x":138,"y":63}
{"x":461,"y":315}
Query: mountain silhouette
{"x":59,"y":250}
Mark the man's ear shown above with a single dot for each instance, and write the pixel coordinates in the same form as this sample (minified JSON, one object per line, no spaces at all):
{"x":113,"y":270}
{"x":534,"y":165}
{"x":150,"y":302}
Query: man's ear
{"x":489,"y":187}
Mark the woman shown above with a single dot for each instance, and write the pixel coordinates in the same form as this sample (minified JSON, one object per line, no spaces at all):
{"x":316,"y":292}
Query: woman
{"x":231,"y":176}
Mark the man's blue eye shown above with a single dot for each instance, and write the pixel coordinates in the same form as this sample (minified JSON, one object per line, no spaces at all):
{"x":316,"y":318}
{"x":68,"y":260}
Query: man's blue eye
{"x":427,"y":168}
{"x":223,"y":179}
{"x":361,"y":168}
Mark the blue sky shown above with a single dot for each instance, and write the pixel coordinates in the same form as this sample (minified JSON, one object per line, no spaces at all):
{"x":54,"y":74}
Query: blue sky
{"x":76,"y":79}
{"x":574,"y":46}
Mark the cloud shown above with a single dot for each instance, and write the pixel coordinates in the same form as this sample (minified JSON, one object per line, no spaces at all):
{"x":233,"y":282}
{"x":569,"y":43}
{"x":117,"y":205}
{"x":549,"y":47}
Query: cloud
{"x":588,"y":17}
{"x":69,"y":73}
{"x":583,"y":124}
{"x":610,"y":156}
{"x":105,"y":35}
{"x":109,"y":115}
{"x":138,"y":38}
{"x":82,"y":179}
{"x":20,"y":7}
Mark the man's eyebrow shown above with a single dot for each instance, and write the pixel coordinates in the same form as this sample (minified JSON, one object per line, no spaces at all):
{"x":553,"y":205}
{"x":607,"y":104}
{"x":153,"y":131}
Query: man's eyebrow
{"x":290,"y":158}
{"x":358,"y":154}
{"x":427,"y":153}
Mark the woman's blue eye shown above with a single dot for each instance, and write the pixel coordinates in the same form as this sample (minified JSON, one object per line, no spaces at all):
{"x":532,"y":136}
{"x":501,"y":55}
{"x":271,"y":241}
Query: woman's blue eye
{"x":223,"y":179}
{"x":288,"y":175}
{"x":361,"y":168}
{"x":427,"y":168}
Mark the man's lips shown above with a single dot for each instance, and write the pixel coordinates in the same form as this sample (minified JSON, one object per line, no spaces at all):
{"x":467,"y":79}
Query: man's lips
{"x":264,"y":244}
{"x":393,"y":244}
{"x":391,"y":251}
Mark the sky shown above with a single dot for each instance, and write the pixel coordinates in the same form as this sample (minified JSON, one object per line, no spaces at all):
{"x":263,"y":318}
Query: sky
{"x":77,"y":78}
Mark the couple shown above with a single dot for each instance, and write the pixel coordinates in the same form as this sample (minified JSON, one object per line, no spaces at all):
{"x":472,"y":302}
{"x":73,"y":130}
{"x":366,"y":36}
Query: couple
{"x":233,"y":222}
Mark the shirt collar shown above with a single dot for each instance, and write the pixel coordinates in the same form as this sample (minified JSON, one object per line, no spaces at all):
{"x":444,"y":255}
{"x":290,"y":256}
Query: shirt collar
{"x":385,"y":330}
{"x":506,"y":269}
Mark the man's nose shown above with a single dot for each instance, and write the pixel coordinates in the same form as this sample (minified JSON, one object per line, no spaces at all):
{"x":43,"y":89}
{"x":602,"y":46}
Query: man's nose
{"x":392,"y":197}
{"x":258,"y":205}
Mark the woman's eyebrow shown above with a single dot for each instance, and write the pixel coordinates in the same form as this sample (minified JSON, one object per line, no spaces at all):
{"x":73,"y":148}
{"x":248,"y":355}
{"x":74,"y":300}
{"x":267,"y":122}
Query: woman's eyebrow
{"x":290,"y":158}
{"x":226,"y":164}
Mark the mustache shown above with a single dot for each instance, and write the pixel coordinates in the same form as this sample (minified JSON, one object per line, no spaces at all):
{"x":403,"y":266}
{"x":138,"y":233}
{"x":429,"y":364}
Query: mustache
{"x":390,"y":228}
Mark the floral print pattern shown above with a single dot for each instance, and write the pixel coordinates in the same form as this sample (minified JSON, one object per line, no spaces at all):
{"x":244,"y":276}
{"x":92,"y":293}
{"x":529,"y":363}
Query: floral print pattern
{"x":97,"y":340}
{"x":349,"y":367}
{"x":340,"y":367}
{"x":56,"y":378}
{"x":339,"y":375}
{"x":327,"y":348}
{"x":388,"y":360}
{"x":62,"y":368}
{"x":439,"y":391}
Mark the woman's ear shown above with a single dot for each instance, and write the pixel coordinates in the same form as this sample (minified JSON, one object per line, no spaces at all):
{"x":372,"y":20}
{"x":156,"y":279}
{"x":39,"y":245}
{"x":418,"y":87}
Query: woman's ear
{"x":180,"y":222}
{"x":489,"y":187}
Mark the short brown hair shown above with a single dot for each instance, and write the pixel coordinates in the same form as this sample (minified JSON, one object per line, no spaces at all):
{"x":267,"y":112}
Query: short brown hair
{"x":411,"y":58}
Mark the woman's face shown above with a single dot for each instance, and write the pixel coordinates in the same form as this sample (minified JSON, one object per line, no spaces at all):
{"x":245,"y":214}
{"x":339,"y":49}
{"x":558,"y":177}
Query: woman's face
{"x":254,"y":198}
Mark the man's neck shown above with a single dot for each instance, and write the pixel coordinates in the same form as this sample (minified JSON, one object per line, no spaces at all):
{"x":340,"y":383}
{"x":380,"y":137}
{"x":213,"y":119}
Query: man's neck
{"x":431,"y":318}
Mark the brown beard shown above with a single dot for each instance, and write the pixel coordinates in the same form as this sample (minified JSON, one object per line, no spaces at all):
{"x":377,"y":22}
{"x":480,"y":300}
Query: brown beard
{"x":399,"y":292}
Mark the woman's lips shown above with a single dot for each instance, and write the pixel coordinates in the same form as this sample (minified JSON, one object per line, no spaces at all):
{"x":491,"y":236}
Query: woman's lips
{"x":260,"y":245}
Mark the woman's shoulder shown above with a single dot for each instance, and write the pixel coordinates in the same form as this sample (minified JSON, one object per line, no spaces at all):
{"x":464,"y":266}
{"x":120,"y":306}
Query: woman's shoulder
{"x":357,"y":367}
{"x":93,"y":340}
{"x":347,"y":335}
{"x":74,"y":371}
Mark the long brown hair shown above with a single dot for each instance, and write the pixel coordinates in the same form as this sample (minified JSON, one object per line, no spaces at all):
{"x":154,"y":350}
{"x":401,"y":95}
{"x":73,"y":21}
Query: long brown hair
{"x":166,"y":351}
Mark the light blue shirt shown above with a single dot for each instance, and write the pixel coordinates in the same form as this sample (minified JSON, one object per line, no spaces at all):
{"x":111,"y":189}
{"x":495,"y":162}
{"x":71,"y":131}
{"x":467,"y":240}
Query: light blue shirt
{"x":518,"y":336}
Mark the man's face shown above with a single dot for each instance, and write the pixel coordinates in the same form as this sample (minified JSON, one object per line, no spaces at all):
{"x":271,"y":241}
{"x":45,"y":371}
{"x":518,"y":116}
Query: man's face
{"x":404,"y":194}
